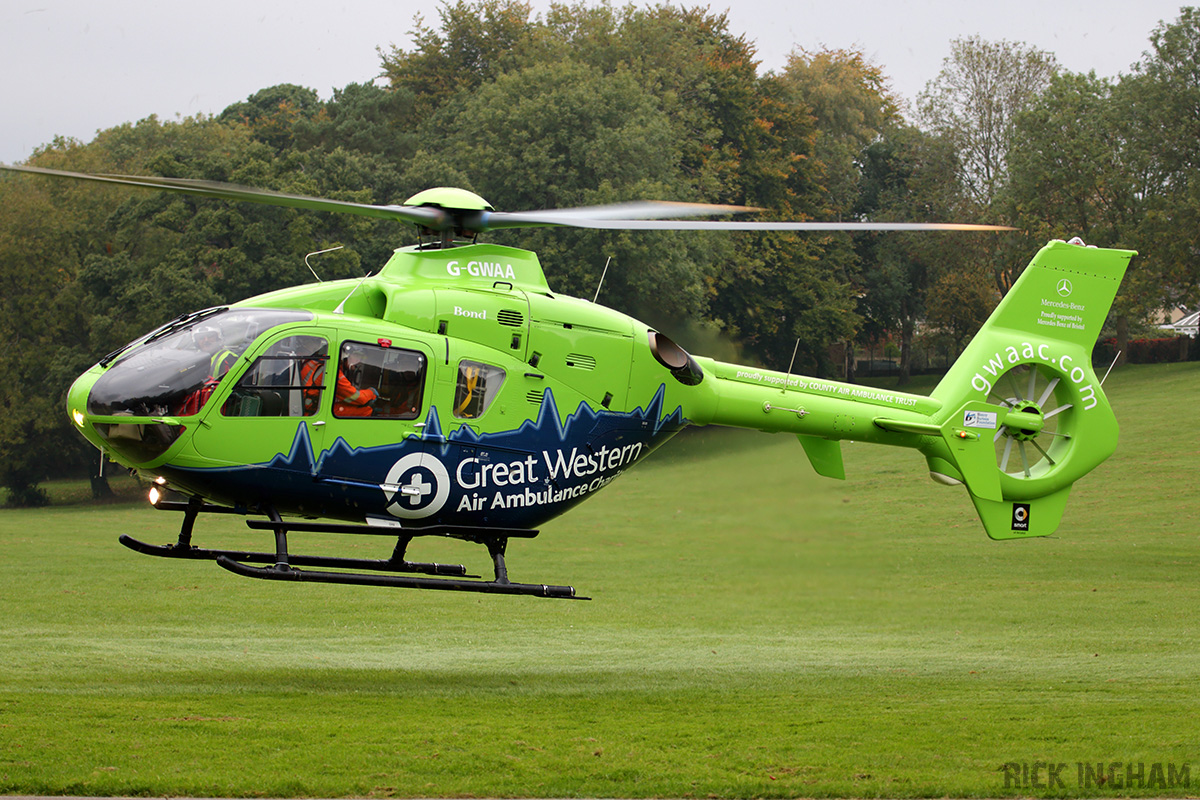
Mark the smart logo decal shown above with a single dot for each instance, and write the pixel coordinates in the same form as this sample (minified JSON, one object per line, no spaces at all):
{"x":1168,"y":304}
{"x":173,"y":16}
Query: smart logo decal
{"x":1020,"y":517}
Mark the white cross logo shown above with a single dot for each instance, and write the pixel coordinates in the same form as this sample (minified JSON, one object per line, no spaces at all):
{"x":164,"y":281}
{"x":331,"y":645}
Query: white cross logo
{"x":416,"y":489}
{"x":428,"y":483}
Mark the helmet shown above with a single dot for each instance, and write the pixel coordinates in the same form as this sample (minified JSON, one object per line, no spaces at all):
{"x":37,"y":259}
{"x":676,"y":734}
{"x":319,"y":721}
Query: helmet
{"x":206,"y":337}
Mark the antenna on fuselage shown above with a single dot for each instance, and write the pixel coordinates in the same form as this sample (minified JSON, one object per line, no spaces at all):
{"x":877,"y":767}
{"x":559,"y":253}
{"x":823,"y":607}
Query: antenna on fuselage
{"x":1110,"y":366}
{"x":317,"y":253}
{"x":791,"y":364}
{"x":601,"y":283}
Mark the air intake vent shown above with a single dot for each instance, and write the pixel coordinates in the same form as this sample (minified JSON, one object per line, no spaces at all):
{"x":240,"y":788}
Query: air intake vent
{"x":534,"y":396}
{"x":580,"y":361}
{"x":514,"y":319}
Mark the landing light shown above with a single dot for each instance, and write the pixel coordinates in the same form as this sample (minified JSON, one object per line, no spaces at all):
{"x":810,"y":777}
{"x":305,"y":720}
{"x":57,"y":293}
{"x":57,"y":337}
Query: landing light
{"x":77,"y":415}
{"x":155,"y":495}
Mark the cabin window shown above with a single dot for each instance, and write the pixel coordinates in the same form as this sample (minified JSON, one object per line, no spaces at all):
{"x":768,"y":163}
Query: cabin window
{"x":379,"y":381}
{"x":285,"y":381}
{"x":478,"y":384}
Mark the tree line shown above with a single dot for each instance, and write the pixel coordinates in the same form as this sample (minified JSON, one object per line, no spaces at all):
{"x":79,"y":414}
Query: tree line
{"x":587,"y":105}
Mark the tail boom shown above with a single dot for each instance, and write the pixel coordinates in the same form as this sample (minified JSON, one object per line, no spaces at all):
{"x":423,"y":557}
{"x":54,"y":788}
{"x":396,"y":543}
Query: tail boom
{"x":1017,"y":419}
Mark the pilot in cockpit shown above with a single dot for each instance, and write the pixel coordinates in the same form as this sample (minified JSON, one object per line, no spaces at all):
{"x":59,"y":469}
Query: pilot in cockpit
{"x":209,"y":340}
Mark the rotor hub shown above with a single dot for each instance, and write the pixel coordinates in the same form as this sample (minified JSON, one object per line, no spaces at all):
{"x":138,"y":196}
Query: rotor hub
{"x":1025,"y":430}
{"x":1035,"y":433}
{"x":450,"y":198}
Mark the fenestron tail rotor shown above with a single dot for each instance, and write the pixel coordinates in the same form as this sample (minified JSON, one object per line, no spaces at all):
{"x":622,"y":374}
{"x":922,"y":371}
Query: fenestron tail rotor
{"x":450,"y":211}
{"x":1041,"y":439}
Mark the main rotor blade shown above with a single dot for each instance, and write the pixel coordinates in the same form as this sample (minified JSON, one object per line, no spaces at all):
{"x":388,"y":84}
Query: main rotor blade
{"x":723,"y":225}
{"x":595,"y":216}
{"x":648,"y":215}
{"x":428,"y":216}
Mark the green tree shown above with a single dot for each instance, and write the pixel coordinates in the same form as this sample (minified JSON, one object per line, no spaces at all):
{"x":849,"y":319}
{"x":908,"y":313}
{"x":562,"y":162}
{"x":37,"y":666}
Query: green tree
{"x":39,"y":241}
{"x":958,"y":302}
{"x":908,"y":175}
{"x":744,"y":139}
{"x":598,"y":104}
{"x":364,"y":118}
{"x":563,"y":135}
{"x":851,"y":107}
{"x":974,"y":102}
{"x":722,"y":133}
{"x":274,"y":112}
{"x":851,"y":104}
{"x":1116,"y":163}
{"x":477,"y":42}
{"x":1163,"y":93}
{"x":1074,"y":173}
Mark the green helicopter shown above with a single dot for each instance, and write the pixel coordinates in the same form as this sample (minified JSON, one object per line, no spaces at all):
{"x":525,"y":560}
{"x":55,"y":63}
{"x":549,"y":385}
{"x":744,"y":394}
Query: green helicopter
{"x":455,"y":394}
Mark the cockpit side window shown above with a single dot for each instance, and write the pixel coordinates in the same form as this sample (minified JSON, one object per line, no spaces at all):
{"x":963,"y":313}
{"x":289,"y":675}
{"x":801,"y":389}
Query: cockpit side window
{"x":478,"y":384}
{"x":285,"y":381}
{"x":379,"y":381}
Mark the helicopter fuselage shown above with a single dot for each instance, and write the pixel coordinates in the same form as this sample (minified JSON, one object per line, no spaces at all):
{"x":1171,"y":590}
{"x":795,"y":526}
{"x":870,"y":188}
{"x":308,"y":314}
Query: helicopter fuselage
{"x":497,"y":402}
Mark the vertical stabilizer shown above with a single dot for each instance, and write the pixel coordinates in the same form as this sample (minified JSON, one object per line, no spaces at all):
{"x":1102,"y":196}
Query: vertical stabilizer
{"x":1026,"y":414}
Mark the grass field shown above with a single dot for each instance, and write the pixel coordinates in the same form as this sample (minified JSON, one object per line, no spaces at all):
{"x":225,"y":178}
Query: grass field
{"x":756,"y":631}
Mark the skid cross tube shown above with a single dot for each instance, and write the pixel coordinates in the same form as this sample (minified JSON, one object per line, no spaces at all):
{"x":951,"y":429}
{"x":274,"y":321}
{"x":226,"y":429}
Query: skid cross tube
{"x":452,"y":531}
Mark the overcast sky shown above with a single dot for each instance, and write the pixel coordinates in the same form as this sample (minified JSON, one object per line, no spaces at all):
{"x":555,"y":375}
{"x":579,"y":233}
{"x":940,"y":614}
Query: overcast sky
{"x":73,"y":67}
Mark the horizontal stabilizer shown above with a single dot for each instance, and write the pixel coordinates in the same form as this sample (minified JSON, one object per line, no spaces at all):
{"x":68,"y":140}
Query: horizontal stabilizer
{"x":825,"y":455}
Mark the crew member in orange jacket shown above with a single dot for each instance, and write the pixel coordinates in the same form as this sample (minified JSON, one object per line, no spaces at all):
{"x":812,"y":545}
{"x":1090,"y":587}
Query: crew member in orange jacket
{"x":350,"y":401}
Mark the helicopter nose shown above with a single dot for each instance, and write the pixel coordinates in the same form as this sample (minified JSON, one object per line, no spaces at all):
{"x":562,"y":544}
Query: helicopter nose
{"x":132,"y":441}
{"x":77,"y":397}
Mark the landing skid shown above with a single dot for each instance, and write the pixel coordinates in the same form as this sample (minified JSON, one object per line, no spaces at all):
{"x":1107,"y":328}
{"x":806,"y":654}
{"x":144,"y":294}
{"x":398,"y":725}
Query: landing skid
{"x":395,"y":571}
{"x":289,"y":573}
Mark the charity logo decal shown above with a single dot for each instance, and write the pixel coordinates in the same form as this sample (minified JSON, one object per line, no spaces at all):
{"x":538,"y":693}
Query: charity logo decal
{"x":980,"y":419}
